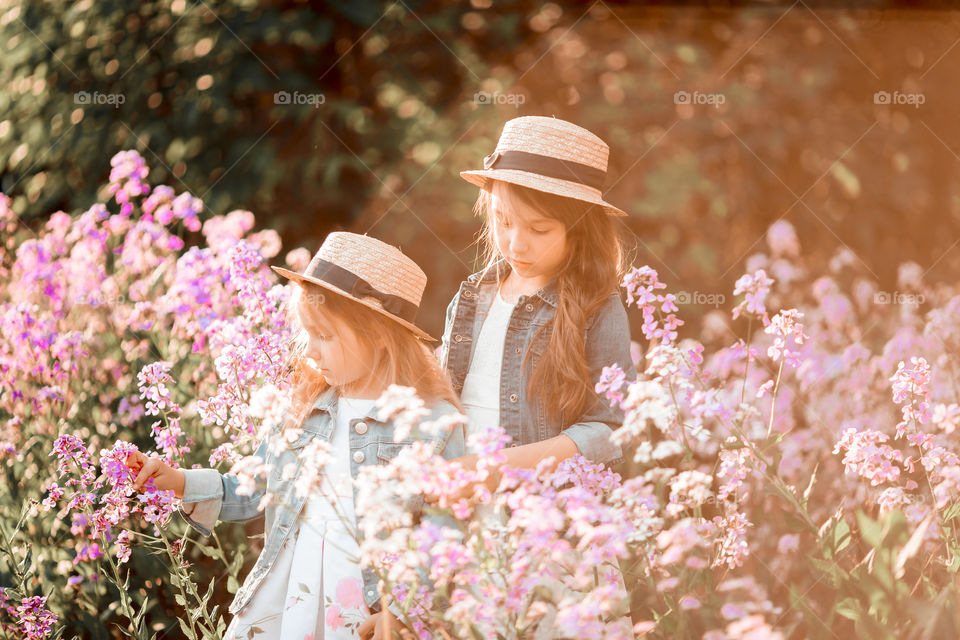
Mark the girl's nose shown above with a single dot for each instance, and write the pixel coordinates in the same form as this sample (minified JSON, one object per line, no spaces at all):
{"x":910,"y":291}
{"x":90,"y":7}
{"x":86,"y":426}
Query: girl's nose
{"x":518,"y":244}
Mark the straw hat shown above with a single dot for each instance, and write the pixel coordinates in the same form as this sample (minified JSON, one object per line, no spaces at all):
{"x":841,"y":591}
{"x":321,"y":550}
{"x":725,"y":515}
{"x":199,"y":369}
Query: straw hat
{"x":369,"y":271}
{"x":549,"y":155}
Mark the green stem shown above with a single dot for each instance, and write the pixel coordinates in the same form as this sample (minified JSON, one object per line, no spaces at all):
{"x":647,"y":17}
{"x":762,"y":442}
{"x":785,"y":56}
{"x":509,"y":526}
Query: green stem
{"x":773,"y":399}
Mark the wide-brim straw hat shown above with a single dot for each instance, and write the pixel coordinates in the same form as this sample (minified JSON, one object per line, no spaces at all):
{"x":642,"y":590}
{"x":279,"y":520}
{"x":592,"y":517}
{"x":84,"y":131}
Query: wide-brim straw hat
{"x":371,"y":272}
{"x":550,"y":155}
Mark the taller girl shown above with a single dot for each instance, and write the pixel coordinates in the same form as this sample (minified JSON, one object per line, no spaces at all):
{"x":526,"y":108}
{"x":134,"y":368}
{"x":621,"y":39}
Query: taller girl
{"x":526,"y":338}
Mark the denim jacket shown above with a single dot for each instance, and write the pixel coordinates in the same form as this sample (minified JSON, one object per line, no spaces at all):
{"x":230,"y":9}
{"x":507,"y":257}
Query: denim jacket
{"x":209,"y":496}
{"x":523,"y":416}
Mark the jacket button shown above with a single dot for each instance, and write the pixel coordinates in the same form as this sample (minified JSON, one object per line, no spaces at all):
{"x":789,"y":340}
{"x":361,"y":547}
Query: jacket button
{"x":458,"y":338}
{"x":514,"y":397}
{"x":360,"y":427}
{"x":358,"y":457}
{"x":370,"y":593}
{"x":529,"y":307}
{"x":466,"y":294}
{"x":519,"y":350}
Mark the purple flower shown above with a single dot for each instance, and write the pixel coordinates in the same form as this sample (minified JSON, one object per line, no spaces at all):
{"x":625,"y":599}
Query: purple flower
{"x":611,"y":383}
{"x":910,"y":391}
{"x":641,"y":284}
{"x":754,"y":287}
{"x":34,"y":619}
{"x":129,"y":170}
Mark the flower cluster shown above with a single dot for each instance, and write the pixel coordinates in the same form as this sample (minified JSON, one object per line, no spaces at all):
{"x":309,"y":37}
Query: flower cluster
{"x":30,"y":618}
{"x":641,"y":285}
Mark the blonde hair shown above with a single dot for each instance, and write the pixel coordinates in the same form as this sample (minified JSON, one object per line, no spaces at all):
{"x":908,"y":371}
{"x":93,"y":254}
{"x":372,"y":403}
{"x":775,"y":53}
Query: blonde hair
{"x":399,"y":357}
{"x":595,"y":262}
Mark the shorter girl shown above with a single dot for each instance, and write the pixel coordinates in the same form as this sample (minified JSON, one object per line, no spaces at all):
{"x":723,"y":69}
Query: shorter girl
{"x":356,"y":304}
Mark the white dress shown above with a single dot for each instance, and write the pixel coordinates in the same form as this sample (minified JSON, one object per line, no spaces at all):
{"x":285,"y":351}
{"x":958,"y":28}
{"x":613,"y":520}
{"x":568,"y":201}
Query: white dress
{"x":314,"y":591}
{"x":481,"y":386}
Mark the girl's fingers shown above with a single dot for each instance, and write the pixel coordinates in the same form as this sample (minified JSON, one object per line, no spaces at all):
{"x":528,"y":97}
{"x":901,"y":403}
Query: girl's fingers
{"x":135,"y":460}
{"x":149,"y":468}
{"x":365,"y":630}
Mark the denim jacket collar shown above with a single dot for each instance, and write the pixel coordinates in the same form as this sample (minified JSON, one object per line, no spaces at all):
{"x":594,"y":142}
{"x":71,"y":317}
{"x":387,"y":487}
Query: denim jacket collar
{"x":327,"y":402}
{"x":500,"y":269}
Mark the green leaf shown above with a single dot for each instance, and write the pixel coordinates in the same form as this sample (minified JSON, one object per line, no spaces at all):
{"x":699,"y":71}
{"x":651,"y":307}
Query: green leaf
{"x":232,"y":584}
{"x":849,"y":608}
{"x":186,"y":630}
{"x":841,"y":536}
{"x":951,"y":512}
{"x":847,"y":179}
{"x":870,"y":529}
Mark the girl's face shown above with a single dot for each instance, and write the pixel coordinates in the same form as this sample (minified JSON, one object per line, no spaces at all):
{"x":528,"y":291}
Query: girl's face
{"x":534,"y":244}
{"x":339,"y":355}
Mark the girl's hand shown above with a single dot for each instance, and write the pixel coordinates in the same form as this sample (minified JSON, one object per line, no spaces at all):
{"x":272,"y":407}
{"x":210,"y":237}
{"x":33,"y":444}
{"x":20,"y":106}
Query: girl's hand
{"x":375,"y":627}
{"x":468,"y":491}
{"x":164,"y":476}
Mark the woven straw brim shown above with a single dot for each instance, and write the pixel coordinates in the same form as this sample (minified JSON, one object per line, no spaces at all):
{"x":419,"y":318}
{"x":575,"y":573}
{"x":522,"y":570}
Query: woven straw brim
{"x":367,"y":302}
{"x":556,"y":186}
{"x":385,"y":267}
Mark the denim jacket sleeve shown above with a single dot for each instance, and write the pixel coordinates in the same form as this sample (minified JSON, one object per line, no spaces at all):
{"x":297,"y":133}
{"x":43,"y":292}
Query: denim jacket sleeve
{"x":607,"y":342}
{"x":210,"y":496}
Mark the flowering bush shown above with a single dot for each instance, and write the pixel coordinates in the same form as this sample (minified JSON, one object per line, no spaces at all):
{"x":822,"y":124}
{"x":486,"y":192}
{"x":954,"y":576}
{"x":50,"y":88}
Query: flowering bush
{"x":792,"y":471}
{"x":115,"y":338}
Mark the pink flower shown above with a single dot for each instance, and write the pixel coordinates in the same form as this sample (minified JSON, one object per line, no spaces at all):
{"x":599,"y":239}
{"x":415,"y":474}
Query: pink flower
{"x":910,"y":390}
{"x":782,"y":327}
{"x":334,"y":621}
{"x":868,"y":456}
{"x":754,"y":287}
{"x":782,"y":239}
{"x":641,"y":283}
{"x":789,"y":542}
{"x":349,"y":593}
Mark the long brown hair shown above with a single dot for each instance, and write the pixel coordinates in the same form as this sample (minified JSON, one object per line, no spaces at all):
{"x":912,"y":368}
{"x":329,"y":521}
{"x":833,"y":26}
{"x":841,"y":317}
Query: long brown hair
{"x":591,"y":271}
{"x":399,"y":357}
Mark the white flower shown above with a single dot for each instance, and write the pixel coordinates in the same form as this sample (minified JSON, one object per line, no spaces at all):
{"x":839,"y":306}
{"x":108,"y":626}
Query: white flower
{"x":247,"y":471}
{"x":402,"y":406}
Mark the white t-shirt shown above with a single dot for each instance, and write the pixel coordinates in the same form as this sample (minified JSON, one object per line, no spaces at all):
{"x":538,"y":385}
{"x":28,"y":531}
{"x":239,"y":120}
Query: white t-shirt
{"x":481,"y":387}
{"x":337,"y":471}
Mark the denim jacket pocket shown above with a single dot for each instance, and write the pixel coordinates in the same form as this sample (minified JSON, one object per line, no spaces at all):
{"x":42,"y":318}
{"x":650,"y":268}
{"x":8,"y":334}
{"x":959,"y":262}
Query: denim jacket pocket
{"x":387,"y":451}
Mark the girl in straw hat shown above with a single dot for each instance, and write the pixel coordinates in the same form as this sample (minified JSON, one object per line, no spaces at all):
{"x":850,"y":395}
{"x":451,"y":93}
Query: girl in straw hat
{"x":307,"y":582}
{"x":527,"y":337}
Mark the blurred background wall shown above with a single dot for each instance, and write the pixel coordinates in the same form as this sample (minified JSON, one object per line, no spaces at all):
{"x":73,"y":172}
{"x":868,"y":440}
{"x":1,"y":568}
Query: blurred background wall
{"x":723,"y":118}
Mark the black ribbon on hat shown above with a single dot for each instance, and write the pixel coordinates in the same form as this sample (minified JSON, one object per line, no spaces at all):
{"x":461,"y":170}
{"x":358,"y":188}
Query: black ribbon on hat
{"x":357,"y":287}
{"x":546,"y":166}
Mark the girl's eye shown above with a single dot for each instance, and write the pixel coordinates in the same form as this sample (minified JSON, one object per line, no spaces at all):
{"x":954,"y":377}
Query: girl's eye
{"x":539,"y":232}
